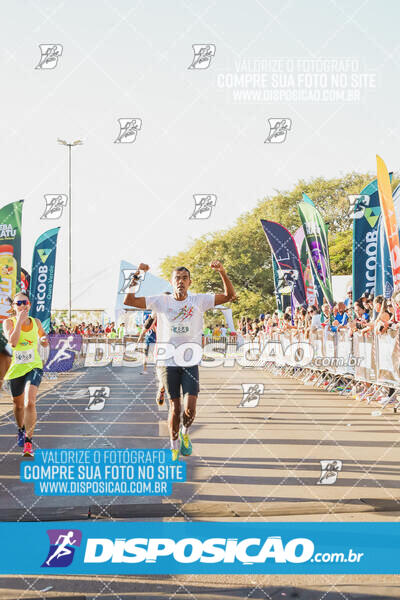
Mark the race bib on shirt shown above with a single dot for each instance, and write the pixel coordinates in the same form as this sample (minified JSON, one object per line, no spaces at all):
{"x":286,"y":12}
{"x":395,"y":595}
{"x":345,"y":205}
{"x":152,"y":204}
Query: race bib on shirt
{"x":180,"y":330}
{"x":24,"y":356}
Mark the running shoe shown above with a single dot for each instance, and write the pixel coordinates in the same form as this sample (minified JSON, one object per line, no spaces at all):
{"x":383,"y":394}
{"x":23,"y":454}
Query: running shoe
{"x":28,"y":451}
{"x":21,"y":437}
{"x":186,"y":444}
{"x":160,"y":396}
{"x":175,"y":454}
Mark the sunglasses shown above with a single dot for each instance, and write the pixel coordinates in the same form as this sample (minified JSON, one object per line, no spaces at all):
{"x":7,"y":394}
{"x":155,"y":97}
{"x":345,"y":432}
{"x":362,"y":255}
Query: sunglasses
{"x":20,"y":302}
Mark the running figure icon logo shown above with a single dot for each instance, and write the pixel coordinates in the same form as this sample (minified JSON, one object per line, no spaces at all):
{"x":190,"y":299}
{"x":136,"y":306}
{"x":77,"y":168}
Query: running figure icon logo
{"x":203,"y":53}
{"x":63,"y":543}
{"x":286,"y":280}
{"x":203,"y":205}
{"x":127,"y":276}
{"x":128,"y":129}
{"x":251,"y":394}
{"x":62,"y":352}
{"x":278,"y":129}
{"x":329,"y":471}
{"x":359,"y":207}
{"x":50,"y":53}
{"x":55,"y":204}
{"x":97,"y":397}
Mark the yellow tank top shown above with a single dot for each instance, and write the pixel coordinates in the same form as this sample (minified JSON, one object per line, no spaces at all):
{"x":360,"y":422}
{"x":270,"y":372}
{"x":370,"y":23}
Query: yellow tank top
{"x":25,"y":356}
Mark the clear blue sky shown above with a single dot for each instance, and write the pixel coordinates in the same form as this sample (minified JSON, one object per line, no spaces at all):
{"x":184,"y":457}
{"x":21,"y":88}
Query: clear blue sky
{"x":130,"y":59}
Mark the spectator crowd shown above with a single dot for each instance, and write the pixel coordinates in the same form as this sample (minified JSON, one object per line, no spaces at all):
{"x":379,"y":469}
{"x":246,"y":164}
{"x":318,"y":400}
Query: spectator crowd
{"x":367,"y":314}
{"x":90,"y":330}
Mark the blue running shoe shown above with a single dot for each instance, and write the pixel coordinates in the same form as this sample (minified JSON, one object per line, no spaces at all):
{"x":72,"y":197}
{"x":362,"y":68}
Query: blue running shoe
{"x":21,"y":437}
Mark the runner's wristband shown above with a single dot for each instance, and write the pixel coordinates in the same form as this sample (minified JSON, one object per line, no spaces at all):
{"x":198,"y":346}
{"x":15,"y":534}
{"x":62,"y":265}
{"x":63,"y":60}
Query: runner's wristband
{"x":149,"y":323}
{"x":132,"y":284}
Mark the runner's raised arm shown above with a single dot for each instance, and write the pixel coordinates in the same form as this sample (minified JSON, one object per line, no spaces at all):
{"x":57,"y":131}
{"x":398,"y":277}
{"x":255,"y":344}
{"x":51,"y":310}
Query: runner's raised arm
{"x":229,"y":292}
{"x":130,"y":298}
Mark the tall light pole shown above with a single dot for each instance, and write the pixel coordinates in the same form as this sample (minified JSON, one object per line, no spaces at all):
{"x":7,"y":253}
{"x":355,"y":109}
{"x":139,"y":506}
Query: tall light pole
{"x":64,"y":143}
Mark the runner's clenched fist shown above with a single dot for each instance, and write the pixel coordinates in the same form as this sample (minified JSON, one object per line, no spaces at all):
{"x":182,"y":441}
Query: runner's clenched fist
{"x":217,"y":266}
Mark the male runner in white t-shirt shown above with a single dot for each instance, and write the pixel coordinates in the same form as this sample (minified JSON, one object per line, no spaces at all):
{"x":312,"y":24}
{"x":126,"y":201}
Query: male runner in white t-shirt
{"x":179,"y":347}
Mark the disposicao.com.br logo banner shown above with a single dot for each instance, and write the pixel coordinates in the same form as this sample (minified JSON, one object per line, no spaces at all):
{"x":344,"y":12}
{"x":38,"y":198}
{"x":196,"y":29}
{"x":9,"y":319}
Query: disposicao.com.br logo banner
{"x":165,"y":548}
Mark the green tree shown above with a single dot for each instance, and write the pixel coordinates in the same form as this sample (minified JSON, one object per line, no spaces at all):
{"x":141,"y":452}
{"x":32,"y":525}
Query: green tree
{"x":340,"y":251}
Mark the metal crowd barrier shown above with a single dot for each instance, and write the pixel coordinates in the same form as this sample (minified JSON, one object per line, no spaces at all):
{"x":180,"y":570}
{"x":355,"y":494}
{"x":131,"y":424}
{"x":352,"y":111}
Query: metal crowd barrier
{"x":367,"y":358}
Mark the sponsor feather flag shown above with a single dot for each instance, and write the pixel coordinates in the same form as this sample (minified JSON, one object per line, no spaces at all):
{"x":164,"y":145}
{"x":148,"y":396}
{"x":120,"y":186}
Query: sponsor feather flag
{"x":366,"y":215}
{"x":315,"y":232}
{"x":313,"y":289}
{"x":42,"y":276}
{"x":389,"y":219}
{"x":10,"y":254}
{"x":284,"y":249}
{"x":383,"y":272}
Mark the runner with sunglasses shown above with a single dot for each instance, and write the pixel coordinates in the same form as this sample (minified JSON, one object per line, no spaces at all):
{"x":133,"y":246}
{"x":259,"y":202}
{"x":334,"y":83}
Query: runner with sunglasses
{"x":24,"y":333}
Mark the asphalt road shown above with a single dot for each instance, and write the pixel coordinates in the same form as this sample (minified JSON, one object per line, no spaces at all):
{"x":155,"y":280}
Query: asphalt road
{"x":249,"y":463}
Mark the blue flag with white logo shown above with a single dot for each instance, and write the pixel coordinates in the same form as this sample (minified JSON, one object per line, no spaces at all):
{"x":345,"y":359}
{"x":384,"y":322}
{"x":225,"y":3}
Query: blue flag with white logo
{"x":42,"y":276}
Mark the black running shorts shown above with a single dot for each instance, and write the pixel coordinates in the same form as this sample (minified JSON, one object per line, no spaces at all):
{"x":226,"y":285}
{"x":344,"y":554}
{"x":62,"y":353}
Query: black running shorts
{"x":175,"y":378}
{"x":17,"y":385}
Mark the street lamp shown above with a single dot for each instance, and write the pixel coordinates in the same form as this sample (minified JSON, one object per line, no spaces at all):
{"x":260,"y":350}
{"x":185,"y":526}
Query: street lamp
{"x":64,"y":143}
